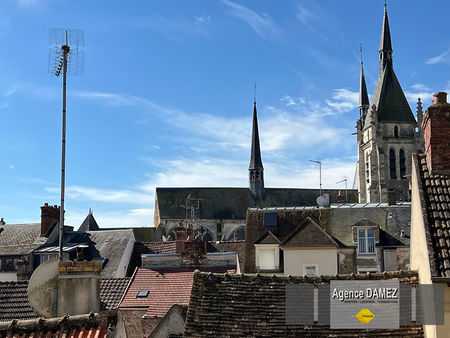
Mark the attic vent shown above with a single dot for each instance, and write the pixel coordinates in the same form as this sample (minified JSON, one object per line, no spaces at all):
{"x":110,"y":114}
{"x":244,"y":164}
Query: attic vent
{"x":270,"y":219}
{"x":142,"y":294}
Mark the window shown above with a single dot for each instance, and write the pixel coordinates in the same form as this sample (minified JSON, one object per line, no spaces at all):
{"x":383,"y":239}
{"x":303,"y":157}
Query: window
{"x":46,"y":257}
{"x":9,"y":265}
{"x":142,"y":294}
{"x":310,"y":270}
{"x":392,"y":166}
{"x":367,"y":168}
{"x":366,"y":241}
{"x":395,"y":131}
{"x":266,"y":259}
{"x":402,"y":164}
{"x":238,"y":235}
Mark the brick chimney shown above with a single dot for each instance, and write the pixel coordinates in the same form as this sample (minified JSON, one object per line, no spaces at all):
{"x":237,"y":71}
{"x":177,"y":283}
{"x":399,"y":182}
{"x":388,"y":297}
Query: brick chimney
{"x":180,"y":238}
{"x":49,"y":215}
{"x":436,"y":130}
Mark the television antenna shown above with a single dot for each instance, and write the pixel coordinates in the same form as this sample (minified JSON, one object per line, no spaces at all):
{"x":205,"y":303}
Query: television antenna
{"x":64,"y":57}
{"x":319,"y":162}
{"x":192,"y":205}
{"x":341,"y":181}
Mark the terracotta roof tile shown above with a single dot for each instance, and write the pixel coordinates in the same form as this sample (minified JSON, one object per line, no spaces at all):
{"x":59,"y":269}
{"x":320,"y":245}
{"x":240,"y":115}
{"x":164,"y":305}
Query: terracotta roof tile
{"x":166,"y":287}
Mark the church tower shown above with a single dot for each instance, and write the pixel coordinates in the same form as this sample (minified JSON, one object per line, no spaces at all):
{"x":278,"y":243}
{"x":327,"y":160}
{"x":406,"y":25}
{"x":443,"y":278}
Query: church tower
{"x":256,"y":169}
{"x":387,"y":133}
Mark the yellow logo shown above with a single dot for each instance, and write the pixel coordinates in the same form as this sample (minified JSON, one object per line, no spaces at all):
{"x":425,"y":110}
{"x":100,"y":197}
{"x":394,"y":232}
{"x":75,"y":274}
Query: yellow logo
{"x":365,"y":316}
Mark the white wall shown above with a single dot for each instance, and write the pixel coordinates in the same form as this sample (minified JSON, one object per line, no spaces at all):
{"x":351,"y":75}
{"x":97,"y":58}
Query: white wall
{"x":125,"y":260}
{"x":8,"y":276}
{"x":296,"y":258}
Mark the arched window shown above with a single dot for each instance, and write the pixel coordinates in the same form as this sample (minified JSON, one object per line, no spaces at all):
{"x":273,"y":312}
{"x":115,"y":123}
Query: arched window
{"x":238,"y":234}
{"x":392,"y":167}
{"x":207,"y":237}
{"x":395,"y":131}
{"x":402,"y":164}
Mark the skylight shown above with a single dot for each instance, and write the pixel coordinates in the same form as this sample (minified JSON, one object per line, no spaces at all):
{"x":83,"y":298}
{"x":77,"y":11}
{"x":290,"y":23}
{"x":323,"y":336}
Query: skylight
{"x":142,"y":294}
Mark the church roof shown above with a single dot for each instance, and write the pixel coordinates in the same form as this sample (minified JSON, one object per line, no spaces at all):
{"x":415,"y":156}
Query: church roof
{"x":390,"y":100}
{"x":363,"y":95}
{"x":255,"y":156}
{"x":385,"y":41}
{"x":232,"y":203}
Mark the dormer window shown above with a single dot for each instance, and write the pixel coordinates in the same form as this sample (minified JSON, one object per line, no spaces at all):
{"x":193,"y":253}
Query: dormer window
{"x":366,"y":241}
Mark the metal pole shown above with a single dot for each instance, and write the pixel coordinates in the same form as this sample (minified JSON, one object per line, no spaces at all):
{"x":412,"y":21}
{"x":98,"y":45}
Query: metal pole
{"x":65,"y":50}
{"x":320,"y":176}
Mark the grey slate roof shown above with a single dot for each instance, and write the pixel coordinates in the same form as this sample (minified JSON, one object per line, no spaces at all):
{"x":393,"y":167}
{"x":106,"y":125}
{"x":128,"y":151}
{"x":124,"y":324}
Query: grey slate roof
{"x":254,"y":306}
{"x":89,"y":223}
{"x":14,"y":301}
{"x":111,"y":292}
{"x":309,"y":234}
{"x":436,"y":194}
{"x":363,"y":95}
{"x":385,"y":41}
{"x":20,"y":239}
{"x":232,"y":203}
{"x":390,"y":100}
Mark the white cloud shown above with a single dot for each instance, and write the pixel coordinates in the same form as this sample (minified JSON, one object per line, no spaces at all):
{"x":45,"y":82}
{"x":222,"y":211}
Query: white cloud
{"x":304,"y":15}
{"x":11,"y":166}
{"x":262,"y":23}
{"x":344,"y":100}
{"x":441,"y":58}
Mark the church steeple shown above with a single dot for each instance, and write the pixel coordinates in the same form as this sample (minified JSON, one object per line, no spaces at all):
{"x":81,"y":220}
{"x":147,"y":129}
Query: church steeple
{"x":363,"y":96}
{"x":385,"y":42}
{"x":255,"y":169}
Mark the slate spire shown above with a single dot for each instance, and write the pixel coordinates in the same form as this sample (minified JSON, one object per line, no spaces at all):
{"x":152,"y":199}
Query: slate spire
{"x":256,"y":169}
{"x":363,"y":95}
{"x":388,"y":97}
{"x":385,"y":42}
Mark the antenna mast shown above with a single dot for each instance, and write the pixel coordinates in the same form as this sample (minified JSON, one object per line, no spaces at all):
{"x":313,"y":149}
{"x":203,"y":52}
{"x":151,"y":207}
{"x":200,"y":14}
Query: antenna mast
{"x":319,"y":162}
{"x":64,"y":52}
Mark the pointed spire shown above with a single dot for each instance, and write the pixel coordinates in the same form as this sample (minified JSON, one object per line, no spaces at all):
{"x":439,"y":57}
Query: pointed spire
{"x":363,"y":95}
{"x":385,"y":41}
{"x":419,"y":112}
{"x":255,"y":157}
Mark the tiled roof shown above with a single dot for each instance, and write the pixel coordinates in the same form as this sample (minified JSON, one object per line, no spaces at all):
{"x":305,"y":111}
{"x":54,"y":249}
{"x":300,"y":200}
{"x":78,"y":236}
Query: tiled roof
{"x":14,"y":298}
{"x":436,"y":194}
{"x":237,"y":306}
{"x":20,"y":239}
{"x":309,"y":234}
{"x":232,"y":203}
{"x":79,"y":326}
{"x":159,"y":247}
{"x":111,"y":292}
{"x":166,"y":287}
{"x":14,"y":301}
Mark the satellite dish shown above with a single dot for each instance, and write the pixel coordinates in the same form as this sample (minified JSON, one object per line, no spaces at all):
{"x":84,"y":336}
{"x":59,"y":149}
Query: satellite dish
{"x":323,"y":200}
{"x":43,"y":289}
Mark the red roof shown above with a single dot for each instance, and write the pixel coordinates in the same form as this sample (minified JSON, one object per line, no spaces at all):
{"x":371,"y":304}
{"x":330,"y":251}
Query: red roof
{"x":166,"y":287}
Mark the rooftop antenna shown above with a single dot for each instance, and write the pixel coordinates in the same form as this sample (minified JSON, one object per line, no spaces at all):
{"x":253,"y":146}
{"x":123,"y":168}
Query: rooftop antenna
{"x":360,"y":51}
{"x":344,"y":180}
{"x":319,"y":162}
{"x":254,"y":99}
{"x":192,"y":204}
{"x":64,"y":57}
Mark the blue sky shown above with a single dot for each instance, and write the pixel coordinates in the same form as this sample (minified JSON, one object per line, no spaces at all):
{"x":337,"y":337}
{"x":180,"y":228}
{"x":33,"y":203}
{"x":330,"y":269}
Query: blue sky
{"x":166,"y":95}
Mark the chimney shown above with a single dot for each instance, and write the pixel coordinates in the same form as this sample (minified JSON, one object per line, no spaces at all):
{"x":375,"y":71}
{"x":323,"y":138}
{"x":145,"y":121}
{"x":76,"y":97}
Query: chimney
{"x":180,"y":233}
{"x":49,"y":215}
{"x":22,"y":273}
{"x":78,"y":287}
{"x":392,"y":197}
{"x":436,"y":130}
{"x":2,"y":222}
